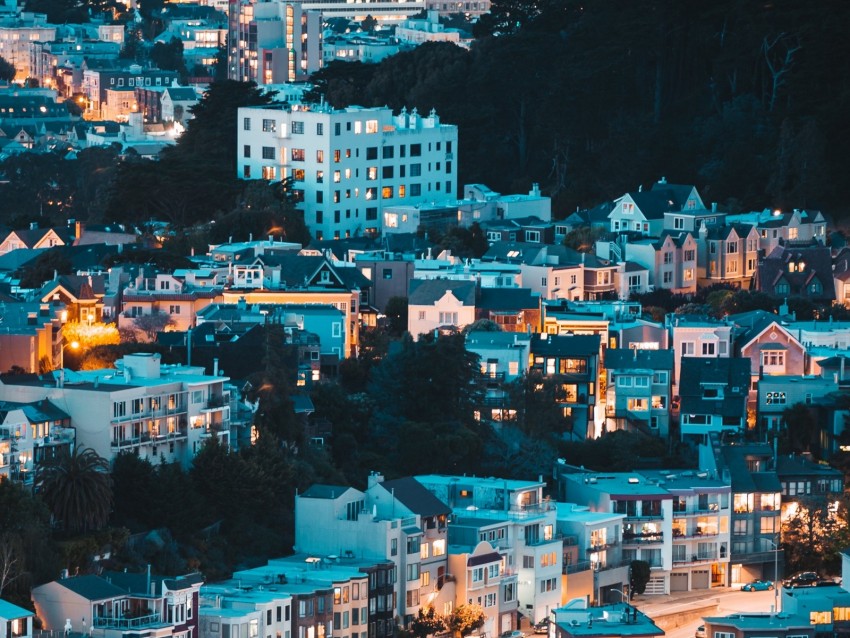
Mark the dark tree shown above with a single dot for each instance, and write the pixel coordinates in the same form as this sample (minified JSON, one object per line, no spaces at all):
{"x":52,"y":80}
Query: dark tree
{"x":7,"y":70}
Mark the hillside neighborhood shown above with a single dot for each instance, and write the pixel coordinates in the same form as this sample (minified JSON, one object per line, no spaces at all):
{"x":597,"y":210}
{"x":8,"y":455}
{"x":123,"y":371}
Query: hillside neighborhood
{"x":271,"y":368}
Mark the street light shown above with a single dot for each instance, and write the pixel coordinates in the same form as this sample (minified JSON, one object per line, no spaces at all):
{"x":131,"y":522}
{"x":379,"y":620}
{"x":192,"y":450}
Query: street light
{"x":621,"y":594}
{"x":775,"y":574}
{"x":74,"y":345}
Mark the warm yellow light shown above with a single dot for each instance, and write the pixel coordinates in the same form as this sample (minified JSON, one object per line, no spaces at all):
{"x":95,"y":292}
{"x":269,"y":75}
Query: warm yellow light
{"x":74,"y":345}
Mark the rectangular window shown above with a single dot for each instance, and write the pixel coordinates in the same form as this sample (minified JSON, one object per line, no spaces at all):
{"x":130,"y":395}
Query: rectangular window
{"x":246,"y":150}
{"x":320,"y":128}
{"x":388,"y":152}
{"x":297,"y":154}
{"x":246,"y":124}
{"x":269,"y":126}
{"x":298,"y":128}
{"x":415,"y":150}
{"x":268,"y":152}
{"x":387,"y":192}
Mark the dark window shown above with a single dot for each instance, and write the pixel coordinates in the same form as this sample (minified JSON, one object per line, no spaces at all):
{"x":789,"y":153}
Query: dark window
{"x":372,"y":153}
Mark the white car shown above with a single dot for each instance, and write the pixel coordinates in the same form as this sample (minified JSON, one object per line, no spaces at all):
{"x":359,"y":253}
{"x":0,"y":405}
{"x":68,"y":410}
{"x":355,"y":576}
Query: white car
{"x":700,"y":632}
{"x":513,"y":634}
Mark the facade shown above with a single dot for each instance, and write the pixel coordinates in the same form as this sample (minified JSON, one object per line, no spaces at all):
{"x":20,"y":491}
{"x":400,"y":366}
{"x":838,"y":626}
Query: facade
{"x":798,"y":270}
{"x":638,"y":390}
{"x":157,"y":411}
{"x":98,"y":82}
{"x":273,"y":42}
{"x":519,"y":524}
{"x":671,"y":261}
{"x":440,"y":303}
{"x":577,"y":620}
{"x":31,"y":433}
{"x":727,"y":254}
{"x":572,"y":361}
{"x":677,"y":521}
{"x":713,"y":396}
{"x":348,"y":165}
{"x":17,"y":33}
{"x":224,"y":610}
{"x":15,"y":622}
{"x":697,"y":336}
{"x":120,"y":604}
{"x":756,"y":499}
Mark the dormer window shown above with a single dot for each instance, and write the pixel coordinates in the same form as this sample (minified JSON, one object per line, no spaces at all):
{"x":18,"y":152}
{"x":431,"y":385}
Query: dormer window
{"x":628,"y":209}
{"x":324,"y":277}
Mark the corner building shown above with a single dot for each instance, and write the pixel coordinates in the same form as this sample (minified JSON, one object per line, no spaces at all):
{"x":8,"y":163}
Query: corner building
{"x":347,"y":165}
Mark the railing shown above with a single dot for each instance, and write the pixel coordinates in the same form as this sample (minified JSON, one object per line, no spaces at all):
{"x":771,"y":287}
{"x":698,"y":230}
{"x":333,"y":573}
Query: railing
{"x":543,"y":541}
{"x":111,"y":622}
{"x":633,"y":539}
{"x":581,"y":566}
{"x":147,"y":438}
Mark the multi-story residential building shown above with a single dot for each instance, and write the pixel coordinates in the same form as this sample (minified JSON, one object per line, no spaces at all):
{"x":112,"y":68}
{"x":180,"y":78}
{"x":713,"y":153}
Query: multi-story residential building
{"x":17,"y":33}
{"x":157,"y":411}
{"x":638,"y":390}
{"x":593,"y":552}
{"x":775,"y":394}
{"x":645,"y":212}
{"x":120,"y":604}
{"x":470,"y":7}
{"x":806,"y":483}
{"x":504,"y":358}
{"x":390,"y":274}
{"x":289,"y":278}
{"x":558,"y":272}
{"x":481,"y":579}
{"x":776,"y":228}
{"x":360,"y":47}
{"x":58,"y":64}
{"x":713,"y":394}
{"x":795,"y":270}
{"x":31,"y":433}
{"x":572,"y":362}
{"x":670,"y":259}
{"x":273,"y":42}
{"x":677,"y":521}
{"x":697,"y":336}
{"x":417,"y":30}
{"x":31,"y":334}
{"x":756,"y":499}
{"x":519,"y":523}
{"x":727,"y":254}
{"x":752,"y":625}
{"x":771,"y":349}
{"x":398,"y":520}
{"x":224,"y":610}
{"x":348,"y":165}
{"x":98,"y":81}
{"x":440,"y":303}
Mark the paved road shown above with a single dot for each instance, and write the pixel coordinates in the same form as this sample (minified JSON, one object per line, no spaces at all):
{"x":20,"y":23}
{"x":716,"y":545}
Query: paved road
{"x":729,"y":601}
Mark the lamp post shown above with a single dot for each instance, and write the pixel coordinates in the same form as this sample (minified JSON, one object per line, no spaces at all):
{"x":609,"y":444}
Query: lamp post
{"x":619,"y":592}
{"x":775,"y":574}
{"x":74,"y":345}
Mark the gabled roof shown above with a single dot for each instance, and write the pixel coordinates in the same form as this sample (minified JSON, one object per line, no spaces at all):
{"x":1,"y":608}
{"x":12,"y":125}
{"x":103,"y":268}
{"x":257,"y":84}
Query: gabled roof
{"x":653,"y":204}
{"x":789,"y":465}
{"x":735,"y":457}
{"x":751,"y":324}
{"x":181,"y":94}
{"x":634,"y":359}
{"x":676,"y":193}
{"x":36,"y":412}
{"x":415,"y":497}
{"x":92,"y":587}
{"x":775,"y":269}
{"x":80,"y":287}
{"x":427,"y":292}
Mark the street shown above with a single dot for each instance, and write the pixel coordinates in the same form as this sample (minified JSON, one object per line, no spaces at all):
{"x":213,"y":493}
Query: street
{"x":730,"y":602}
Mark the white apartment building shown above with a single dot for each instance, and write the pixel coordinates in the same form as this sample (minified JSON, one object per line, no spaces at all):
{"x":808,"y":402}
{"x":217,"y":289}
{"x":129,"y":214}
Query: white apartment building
{"x":348,"y":165}
{"x":677,"y":521}
{"x":224,"y":608}
{"x":398,"y":520}
{"x":515,"y":518}
{"x":15,"y":37}
{"x":158,"y":411}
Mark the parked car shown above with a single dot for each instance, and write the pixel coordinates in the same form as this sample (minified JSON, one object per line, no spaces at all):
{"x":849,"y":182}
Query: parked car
{"x":542,"y":627}
{"x":512,"y":634}
{"x":700,"y":632}
{"x":803,"y":579}
{"x":758,"y":585}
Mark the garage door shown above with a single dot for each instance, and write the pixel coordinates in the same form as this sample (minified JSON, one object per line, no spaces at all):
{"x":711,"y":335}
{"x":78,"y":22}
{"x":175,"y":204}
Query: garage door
{"x":655,"y":586}
{"x":699,"y":579}
{"x":678,"y":582}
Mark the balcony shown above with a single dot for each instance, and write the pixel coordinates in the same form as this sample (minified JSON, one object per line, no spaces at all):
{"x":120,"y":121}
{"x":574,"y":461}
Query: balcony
{"x":147,"y":438}
{"x":536,"y":542}
{"x":216,"y":403}
{"x":643,"y":539}
{"x":116,"y":622}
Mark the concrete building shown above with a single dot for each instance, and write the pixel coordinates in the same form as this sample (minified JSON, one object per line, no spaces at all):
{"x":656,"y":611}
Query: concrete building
{"x":157,"y":411}
{"x":348,"y":165}
{"x":273,"y":41}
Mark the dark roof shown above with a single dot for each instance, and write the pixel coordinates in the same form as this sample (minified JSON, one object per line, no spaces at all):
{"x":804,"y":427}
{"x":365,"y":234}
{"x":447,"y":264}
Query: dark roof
{"x":751,"y":324}
{"x":36,"y":412}
{"x":789,"y":466}
{"x":631,"y":358}
{"x":80,"y":286}
{"x":775,"y":269}
{"x":563,"y":345}
{"x":415,"y":497}
{"x":722,"y":232}
{"x":319,"y":490}
{"x":181,"y":93}
{"x":92,"y":587}
{"x":732,"y":374}
{"x":483,"y":559}
{"x":426,"y":292}
{"x":136,"y":583}
{"x":735,"y":459}
{"x":653,"y":204}
{"x":508,"y":299}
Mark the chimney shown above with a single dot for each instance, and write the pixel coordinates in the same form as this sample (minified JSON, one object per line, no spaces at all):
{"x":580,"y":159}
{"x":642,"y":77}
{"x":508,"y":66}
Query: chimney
{"x":215,"y":366}
{"x":713,"y":207}
{"x":375,"y":478}
{"x":33,"y":225}
{"x":79,"y":229}
{"x":32,"y":318}
{"x":663,"y":180}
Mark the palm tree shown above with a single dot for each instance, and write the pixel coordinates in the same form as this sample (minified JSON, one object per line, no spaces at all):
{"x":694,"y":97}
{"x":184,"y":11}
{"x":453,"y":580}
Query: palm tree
{"x":77,"y":488}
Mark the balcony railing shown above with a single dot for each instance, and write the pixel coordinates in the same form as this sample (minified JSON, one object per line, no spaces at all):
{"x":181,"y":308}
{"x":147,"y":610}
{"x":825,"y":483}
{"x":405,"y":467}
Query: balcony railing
{"x":146,"y":438}
{"x":640,"y":539}
{"x":543,"y":541}
{"x":113,"y":622}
